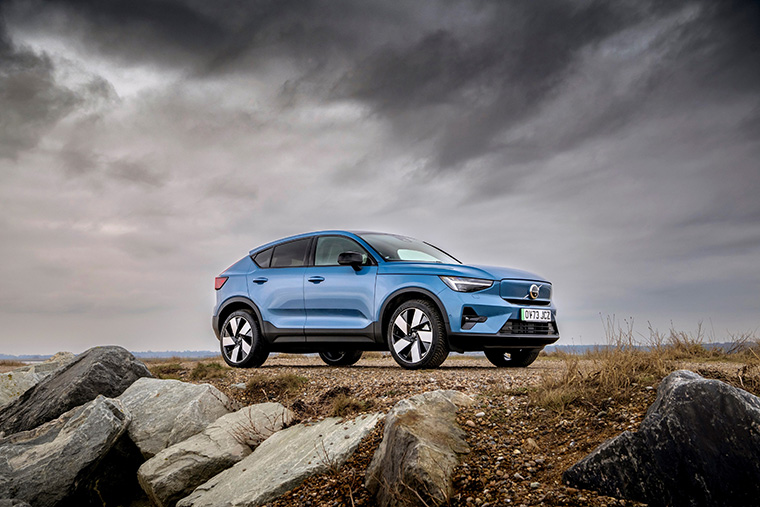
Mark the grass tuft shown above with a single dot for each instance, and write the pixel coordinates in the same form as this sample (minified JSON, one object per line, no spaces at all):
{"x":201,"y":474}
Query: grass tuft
{"x":167,"y":370}
{"x":274,"y":386}
{"x":203,"y":371}
{"x":344,"y":405}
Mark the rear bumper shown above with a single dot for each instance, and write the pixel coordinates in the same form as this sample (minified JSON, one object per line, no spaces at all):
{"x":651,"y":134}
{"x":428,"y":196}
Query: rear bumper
{"x":469,"y":342}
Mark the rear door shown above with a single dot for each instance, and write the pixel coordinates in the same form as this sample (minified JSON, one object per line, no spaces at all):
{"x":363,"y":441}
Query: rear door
{"x":277,"y":289}
{"x":339,"y":301}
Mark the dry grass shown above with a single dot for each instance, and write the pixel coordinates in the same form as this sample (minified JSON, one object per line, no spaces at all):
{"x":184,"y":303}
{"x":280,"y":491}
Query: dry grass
{"x":616,"y":371}
{"x":167,"y":370}
{"x":204,"y":371}
{"x":623,"y":365}
{"x":11,"y":362}
{"x":345,"y":405}
{"x":272,"y":387}
{"x":162,"y":360}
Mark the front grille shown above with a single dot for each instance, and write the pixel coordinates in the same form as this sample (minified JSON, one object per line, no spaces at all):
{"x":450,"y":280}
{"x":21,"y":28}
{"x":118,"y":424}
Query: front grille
{"x":520,"y":327}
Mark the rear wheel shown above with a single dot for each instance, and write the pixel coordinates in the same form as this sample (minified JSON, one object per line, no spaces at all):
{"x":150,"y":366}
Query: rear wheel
{"x":341,"y":357}
{"x":417,"y":336}
{"x":241,"y":342}
{"x":512,"y":358}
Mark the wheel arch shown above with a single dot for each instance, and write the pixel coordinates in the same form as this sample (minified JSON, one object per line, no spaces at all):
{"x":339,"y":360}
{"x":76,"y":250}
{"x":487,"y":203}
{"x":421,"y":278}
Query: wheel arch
{"x":405,"y":294}
{"x":234,"y":304}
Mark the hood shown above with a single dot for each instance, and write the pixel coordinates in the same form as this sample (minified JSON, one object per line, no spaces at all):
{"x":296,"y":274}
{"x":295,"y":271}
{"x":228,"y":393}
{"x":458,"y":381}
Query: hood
{"x":464,"y":270}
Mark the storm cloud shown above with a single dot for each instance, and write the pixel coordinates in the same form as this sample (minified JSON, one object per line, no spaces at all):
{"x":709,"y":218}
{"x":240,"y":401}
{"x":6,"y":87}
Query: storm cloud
{"x":146,"y":145}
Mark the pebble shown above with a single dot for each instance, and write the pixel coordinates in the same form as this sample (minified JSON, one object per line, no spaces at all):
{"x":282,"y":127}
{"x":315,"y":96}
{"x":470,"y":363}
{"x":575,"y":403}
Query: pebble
{"x":470,"y":423}
{"x":535,"y":485}
{"x":480,"y":414}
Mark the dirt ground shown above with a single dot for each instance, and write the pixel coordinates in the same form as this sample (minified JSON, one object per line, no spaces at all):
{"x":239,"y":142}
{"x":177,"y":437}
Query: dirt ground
{"x":518,"y":451}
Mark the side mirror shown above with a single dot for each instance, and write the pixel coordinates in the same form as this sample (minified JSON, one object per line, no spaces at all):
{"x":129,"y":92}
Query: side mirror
{"x":353,"y":259}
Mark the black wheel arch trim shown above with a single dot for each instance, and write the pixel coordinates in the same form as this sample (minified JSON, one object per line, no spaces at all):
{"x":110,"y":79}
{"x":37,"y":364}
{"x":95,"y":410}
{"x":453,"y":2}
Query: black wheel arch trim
{"x":410,"y":290}
{"x":229,"y":301}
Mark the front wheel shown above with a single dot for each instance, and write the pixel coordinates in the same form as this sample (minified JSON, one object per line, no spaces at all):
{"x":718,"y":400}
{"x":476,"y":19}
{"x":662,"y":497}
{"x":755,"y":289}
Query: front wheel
{"x":341,"y":357}
{"x":241,"y":343}
{"x":512,"y":358}
{"x":417,"y":336}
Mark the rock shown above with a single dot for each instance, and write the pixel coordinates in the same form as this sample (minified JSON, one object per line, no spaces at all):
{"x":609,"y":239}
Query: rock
{"x":175,"y":472}
{"x":420,"y":448}
{"x":14,"y":383}
{"x":699,"y":444}
{"x":106,"y":371}
{"x":13,"y":502}
{"x":283,"y":461}
{"x":165,"y":412}
{"x":44,"y":465}
{"x":113,"y":482}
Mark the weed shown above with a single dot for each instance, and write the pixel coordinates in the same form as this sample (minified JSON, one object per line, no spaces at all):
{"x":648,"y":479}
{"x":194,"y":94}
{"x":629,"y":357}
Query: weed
{"x":204,"y":371}
{"x":344,"y":405}
{"x":167,"y":371}
{"x":274,"y":386}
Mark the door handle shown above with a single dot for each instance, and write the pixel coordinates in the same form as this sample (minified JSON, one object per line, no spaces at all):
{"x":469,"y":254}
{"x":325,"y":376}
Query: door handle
{"x":316,"y":279}
{"x":260,"y":280}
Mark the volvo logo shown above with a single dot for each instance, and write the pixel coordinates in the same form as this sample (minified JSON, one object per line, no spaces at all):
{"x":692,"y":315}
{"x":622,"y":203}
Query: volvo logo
{"x":533,"y":293}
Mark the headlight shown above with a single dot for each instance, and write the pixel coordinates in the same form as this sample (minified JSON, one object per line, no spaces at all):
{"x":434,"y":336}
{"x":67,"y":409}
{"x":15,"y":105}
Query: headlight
{"x":460,"y":284}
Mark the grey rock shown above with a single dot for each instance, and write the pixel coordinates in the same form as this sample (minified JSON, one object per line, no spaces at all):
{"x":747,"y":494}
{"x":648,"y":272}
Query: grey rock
{"x":13,"y":502}
{"x":175,"y":472}
{"x":283,"y":461}
{"x":698,"y":445}
{"x":420,"y":448}
{"x":113,"y":481}
{"x":106,"y":371}
{"x":44,"y":465}
{"x":14,"y":383}
{"x":165,"y":412}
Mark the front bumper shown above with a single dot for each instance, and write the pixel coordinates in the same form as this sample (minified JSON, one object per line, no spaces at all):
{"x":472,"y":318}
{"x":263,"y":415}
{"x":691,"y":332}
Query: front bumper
{"x":482,"y":320}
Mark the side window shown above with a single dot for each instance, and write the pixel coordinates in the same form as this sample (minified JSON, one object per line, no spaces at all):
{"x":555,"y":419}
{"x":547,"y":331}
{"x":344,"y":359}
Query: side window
{"x":262,"y":258}
{"x":292,"y":254}
{"x":330,"y":247}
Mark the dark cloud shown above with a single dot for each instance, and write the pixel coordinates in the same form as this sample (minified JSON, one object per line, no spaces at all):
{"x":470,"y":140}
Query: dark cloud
{"x":30,"y":99}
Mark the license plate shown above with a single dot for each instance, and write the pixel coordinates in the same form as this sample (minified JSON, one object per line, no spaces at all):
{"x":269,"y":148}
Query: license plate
{"x":529,"y":315}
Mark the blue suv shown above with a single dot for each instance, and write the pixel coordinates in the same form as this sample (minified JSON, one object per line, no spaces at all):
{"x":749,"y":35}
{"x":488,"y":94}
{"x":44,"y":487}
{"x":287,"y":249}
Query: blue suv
{"x":340,"y":293}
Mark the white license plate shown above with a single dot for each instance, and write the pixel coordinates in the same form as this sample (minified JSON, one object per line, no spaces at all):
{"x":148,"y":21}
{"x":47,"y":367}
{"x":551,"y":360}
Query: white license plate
{"x":529,"y":315}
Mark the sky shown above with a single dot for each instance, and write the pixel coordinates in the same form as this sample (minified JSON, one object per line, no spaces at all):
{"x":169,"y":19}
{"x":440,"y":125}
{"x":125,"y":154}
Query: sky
{"x":611,"y":147}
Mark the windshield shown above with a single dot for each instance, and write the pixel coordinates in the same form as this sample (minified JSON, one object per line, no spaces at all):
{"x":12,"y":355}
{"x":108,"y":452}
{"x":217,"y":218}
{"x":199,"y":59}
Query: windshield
{"x":401,"y":248}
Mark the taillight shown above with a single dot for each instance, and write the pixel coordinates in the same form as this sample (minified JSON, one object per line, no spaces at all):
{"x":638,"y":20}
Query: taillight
{"x":219,"y":282}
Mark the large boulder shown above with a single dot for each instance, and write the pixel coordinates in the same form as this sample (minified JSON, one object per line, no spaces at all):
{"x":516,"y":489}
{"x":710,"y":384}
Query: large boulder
{"x":106,"y":371}
{"x":43,"y":466}
{"x":14,"y":383}
{"x":283,"y":461}
{"x":421,"y":443}
{"x":175,"y":472}
{"x":165,"y":412}
{"x":698,"y":445}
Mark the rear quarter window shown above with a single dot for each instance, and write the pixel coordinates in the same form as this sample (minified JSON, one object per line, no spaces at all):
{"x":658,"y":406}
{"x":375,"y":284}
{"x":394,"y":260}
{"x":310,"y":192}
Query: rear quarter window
{"x":263,"y":258}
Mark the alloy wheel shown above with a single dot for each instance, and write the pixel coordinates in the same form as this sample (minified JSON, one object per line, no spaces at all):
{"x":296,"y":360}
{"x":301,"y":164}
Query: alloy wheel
{"x":412,"y":335}
{"x":237,"y":339}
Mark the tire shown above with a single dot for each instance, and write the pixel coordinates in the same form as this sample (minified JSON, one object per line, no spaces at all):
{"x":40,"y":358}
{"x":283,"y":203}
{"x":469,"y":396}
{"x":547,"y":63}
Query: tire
{"x":512,"y":358}
{"x":341,"y":357}
{"x":417,"y":336}
{"x":240,"y":332}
